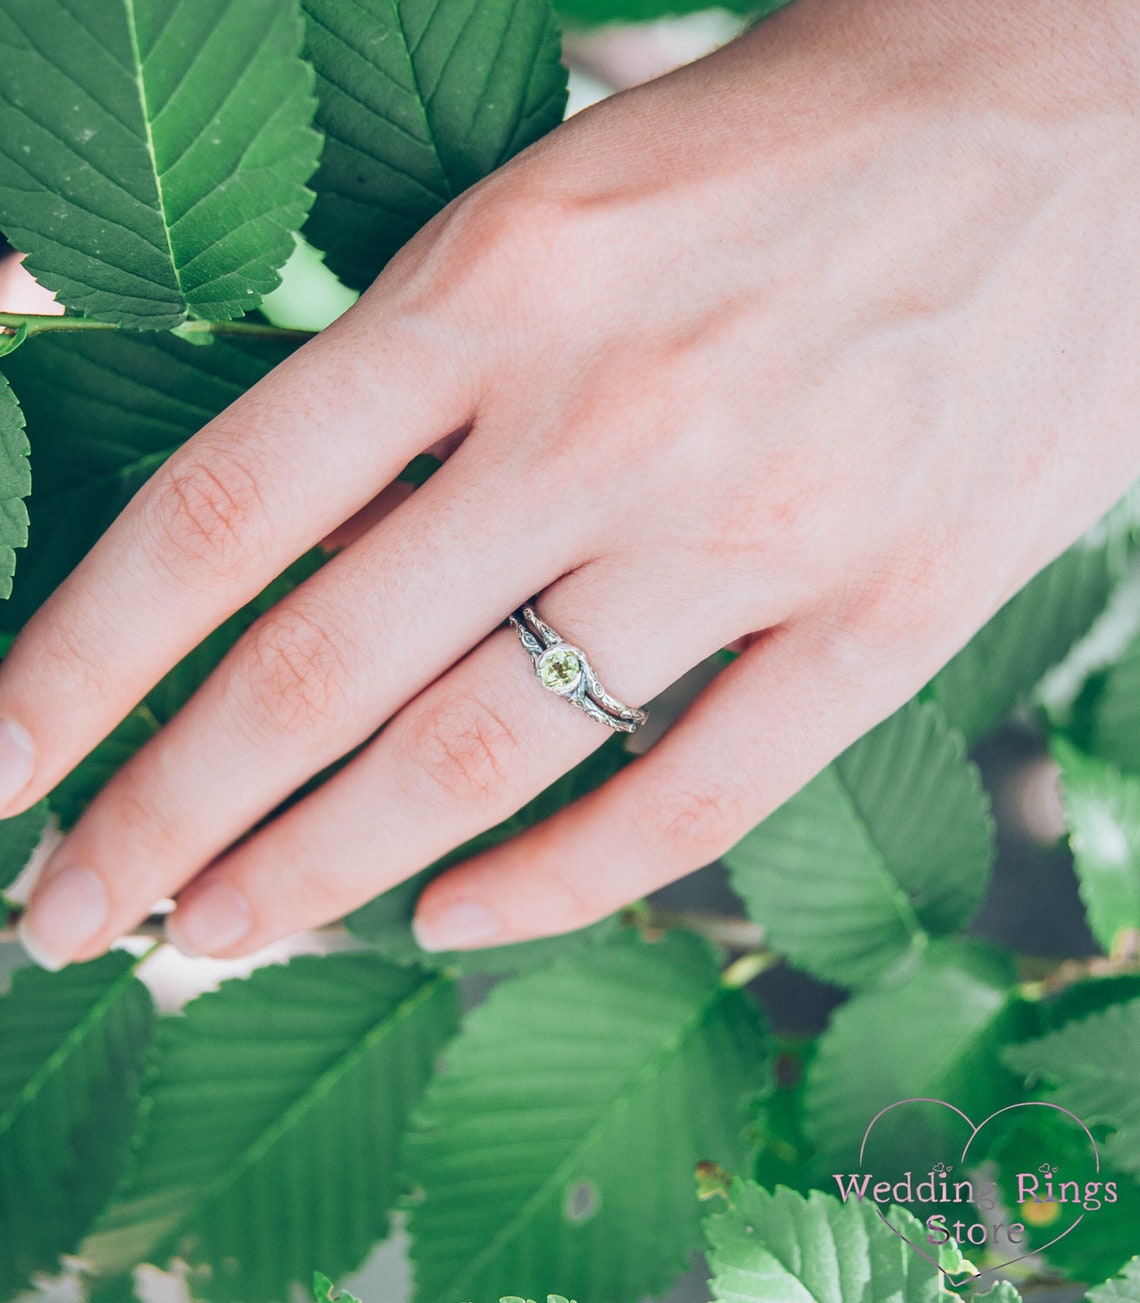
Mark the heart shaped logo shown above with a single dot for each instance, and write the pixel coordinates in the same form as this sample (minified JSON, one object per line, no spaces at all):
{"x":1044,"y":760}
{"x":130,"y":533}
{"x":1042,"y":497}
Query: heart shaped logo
{"x":938,"y":1175}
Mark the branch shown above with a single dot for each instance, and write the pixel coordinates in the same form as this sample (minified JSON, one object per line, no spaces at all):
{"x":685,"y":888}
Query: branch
{"x":20,"y":323}
{"x":723,"y":930}
{"x":1045,"y":977}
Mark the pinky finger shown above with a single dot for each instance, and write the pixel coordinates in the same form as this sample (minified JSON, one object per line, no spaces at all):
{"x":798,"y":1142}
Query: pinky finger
{"x":766,"y":725}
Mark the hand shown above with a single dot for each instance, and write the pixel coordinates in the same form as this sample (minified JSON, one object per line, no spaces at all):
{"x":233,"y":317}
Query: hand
{"x":828,"y":340}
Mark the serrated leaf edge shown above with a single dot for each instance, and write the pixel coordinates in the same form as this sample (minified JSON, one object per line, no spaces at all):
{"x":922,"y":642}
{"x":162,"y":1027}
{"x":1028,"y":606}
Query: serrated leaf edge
{"x":63,"y":1051}
{"x":668,"y":1050}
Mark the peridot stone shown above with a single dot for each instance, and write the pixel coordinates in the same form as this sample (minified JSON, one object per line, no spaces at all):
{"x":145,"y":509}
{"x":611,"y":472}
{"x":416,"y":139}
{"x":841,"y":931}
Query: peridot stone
{"x":559,"y":668}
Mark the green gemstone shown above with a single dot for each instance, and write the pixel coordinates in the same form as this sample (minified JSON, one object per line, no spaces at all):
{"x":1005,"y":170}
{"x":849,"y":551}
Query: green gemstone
{"x":559,"y":669}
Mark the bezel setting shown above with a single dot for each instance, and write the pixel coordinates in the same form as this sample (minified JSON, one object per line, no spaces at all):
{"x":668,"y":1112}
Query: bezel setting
{"x":552,"y":656}
{"x":560,"y":651}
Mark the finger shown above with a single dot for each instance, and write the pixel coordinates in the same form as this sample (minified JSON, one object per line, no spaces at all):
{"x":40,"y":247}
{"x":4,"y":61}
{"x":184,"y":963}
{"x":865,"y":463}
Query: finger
{"x":20,"y":292}
{"x":469,"y":751}
{"x":286,"y":463}
{"x":308,"y":682}
{"x":763,"y":728}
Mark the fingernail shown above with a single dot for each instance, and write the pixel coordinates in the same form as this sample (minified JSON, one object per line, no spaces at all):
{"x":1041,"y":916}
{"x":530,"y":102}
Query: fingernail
{"x":217,"y":918}
{"x":17,"y":760}
{"x":66,"y":911}
{"x":457,"y":926}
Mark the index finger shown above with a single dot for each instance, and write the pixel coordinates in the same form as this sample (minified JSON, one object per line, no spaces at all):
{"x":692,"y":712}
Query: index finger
{"x":267,"y":479}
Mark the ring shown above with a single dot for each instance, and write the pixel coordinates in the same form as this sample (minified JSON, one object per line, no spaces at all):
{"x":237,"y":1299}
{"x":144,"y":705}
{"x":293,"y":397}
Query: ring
{"x":563,"y":668}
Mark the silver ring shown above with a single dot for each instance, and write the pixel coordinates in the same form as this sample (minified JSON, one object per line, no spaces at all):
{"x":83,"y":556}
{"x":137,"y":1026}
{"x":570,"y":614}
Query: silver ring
{"x":562,"y":667}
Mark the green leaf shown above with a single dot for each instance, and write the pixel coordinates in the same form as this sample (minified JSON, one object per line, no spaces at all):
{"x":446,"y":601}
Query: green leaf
{"x":1115,"y":725}
{"x":11,"y":337}
{"x":1082,"y":998}
{"x":1032,"y":632}
{"x":1093,"y":1065}
{"x":104,"y":411}
{"x":273,"y":1117}
{"x":550,"y":1298}
{"x":1124,"y":1288}
{"x":386,"y":921}
{"x":937,"y":1032}
{"x":1003,"y":1291}
{"x":559,"y":1142}
{"x":419,"y":470}
{"x":19,"y":837}
{"x":15,"y":485}
{"x":154,"y":153}
{"x":783,"y":1150}
{"x":324,"y":1291}
{"x":779,"y":1247}
{"x":418,"y":100}
{"x":117,"y":1289}
{"x":1102,"y":808}
{"x":73,"y":1045}
{"x":889,"y":846}
{"x":1101,"y":1246}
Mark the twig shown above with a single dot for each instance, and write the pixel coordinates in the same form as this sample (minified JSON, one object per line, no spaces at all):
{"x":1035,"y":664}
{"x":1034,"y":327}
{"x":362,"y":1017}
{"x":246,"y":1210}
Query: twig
{"x":12,"y":322}
{"x":723,"y":930}
{"x":1043,"y":977}
{"x":741,"y":971}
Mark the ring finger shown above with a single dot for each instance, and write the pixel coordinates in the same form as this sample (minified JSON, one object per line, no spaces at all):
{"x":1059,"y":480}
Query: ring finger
{"x":465,"y":754}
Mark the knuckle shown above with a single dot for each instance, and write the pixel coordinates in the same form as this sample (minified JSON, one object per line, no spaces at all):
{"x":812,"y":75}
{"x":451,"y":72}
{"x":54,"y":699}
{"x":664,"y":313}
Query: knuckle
{"x":497,"y":241}
{"x":568,"y":902}
{"x":697,"y":823}
{"x":904,"y":596}
{"x":141,"y":819}
{"x":497,"y":219}
{"x":312,"y":888}
{"x":204,"y":513}
{"x":296,"y":670}
{"x":463,"y":748}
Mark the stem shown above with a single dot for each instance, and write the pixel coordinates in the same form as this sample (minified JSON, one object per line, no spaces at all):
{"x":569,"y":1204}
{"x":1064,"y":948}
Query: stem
{"x":741,"y":971}
{"x":723,"y":930}
{"x":10,"y":322}
{"x":1044,"y":977}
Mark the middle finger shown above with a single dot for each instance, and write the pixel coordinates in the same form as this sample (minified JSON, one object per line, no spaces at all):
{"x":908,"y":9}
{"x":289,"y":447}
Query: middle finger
{"x":310,"y":680}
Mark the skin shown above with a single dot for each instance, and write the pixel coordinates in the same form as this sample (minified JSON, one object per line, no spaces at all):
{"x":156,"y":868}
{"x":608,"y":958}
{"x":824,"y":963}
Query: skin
{"x":826,"y":342}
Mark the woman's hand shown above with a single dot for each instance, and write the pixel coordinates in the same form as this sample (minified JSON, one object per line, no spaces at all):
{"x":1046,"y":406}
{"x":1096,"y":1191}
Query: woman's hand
{"x":829,"y":339}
